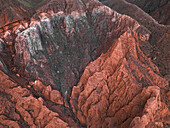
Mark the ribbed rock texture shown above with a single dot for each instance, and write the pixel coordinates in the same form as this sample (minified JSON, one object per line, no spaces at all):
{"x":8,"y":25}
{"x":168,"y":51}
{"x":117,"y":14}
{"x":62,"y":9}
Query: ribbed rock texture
{"x":121,"y":88}
{"x":12,"y":11}
{"x":80,"y":63}
{"x":158,"y":9}
{"x":20,"y":109}
{"x":57,"y":50}
{"x":159,"y":37}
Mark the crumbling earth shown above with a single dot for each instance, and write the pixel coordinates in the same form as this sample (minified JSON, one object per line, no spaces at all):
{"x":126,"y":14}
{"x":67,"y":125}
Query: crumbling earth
{"x":83,"y":63}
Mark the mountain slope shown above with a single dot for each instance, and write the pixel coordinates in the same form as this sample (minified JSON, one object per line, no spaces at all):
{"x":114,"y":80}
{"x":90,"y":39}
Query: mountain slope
{"x":79,"y":63}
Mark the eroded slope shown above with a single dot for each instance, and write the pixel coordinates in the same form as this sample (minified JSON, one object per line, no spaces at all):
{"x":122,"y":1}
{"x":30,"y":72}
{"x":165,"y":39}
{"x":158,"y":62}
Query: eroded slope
{"x":82,"y":64}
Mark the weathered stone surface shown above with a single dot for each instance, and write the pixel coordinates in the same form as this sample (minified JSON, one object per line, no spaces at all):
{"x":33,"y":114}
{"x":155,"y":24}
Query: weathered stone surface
{"x":158,"y":9}
{"x":157,"y":30}
{"x":78,"y":63}
{"x":121,"y":88}
{"x":57,"y":49}
{"x":12,"y":11}
{"x":15,"y":14}
{"x":159,"y":37}
{"x":20,"y":109}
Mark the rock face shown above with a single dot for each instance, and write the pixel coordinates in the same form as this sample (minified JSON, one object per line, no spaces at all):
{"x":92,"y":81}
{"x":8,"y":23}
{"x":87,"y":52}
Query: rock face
{"x":20,"y":109}
{"x":121,"y":88}
{"x":15,"y":14}
{"x":159,"y":37}
{"x":79,"y":63}
{"x":57,"y":50}
{"x":12,"y":11}
{"x":158,"y":9}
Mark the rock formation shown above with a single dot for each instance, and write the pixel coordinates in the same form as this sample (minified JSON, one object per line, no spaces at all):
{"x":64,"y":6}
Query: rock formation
{"x":83,"y":63}
{"x":158,"y":9}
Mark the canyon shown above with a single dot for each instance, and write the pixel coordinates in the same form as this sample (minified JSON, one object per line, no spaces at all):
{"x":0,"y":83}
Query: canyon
{"x":84,"y":63}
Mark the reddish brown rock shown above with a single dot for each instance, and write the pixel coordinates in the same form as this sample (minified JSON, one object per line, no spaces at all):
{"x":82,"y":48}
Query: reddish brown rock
{"x":19,"y":108}
{"x":157,"y":30}
{"x":13,"y":15}
{"x":121,"y":89}
{"x":78,"y":63}
{"x":48,"y":93}
{"x":12,"y":11}
{"x":158,"y":9}
{"x":59,"y":45}
{"x":159,"y":33}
